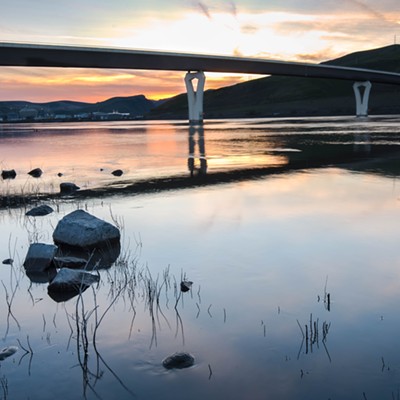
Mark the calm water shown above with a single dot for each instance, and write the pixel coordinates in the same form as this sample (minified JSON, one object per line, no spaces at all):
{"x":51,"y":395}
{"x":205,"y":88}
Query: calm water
{"x":281,"y":224}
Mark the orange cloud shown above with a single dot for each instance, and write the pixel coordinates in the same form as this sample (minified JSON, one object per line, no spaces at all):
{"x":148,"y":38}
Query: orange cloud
{"x":49,"y":84}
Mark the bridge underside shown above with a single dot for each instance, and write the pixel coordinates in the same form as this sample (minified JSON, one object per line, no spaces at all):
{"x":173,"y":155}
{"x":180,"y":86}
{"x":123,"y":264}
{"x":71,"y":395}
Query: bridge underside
{"x":31,"y":55}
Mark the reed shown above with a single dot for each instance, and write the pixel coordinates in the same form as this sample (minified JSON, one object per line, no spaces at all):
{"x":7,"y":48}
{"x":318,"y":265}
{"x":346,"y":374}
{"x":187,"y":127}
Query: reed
{"x":4,"y":387}
{"x":312,"y":333}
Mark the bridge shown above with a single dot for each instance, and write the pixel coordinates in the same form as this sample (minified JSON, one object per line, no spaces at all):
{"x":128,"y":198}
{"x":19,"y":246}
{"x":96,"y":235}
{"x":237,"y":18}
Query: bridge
{"x":40,"y":55}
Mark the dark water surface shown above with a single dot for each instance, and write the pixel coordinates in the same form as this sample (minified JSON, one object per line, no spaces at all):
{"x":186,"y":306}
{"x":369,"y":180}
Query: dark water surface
{"x":288,"y":228}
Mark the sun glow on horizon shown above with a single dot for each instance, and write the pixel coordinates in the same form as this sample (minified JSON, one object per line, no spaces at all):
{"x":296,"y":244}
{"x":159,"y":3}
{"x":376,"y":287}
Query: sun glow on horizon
{"x":239,"y":31}
{"x":43,"y":85}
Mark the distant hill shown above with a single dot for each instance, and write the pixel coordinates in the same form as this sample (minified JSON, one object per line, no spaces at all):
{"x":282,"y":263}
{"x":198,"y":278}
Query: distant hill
{"x":290,"y":96}
{"x":133,"y":105}
{"x":264,"y":97}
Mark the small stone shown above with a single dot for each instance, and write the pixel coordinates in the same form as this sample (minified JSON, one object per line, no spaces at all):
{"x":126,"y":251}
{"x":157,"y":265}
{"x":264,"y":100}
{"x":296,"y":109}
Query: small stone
{"x":60,"y":174}
{"x":39,"y":211}
{"x":186,"y":286}
{"x":68,"y":188}
{"x":178,"y":360}
{"x":8,"y":261}
{"x":7,"y":352}
{"x":8,"y":174}
{"x":35,"y":173}
{"x":117,"y":172}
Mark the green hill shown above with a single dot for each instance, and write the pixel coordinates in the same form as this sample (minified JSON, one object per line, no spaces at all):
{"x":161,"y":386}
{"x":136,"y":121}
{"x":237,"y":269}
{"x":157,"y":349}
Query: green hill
{"x":290,"y":96}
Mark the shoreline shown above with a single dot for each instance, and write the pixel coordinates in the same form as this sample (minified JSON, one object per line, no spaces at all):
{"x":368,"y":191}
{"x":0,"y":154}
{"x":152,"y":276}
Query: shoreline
{"x":180,"y":182}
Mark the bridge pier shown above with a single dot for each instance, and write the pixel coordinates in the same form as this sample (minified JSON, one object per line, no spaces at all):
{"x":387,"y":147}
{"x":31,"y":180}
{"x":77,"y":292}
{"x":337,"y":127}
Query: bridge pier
{"x":195,"y":97}
{"x":362,"y":99}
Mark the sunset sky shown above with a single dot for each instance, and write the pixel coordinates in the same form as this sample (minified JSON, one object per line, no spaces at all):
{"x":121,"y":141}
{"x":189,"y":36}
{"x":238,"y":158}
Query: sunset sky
{"x":296,"y":30}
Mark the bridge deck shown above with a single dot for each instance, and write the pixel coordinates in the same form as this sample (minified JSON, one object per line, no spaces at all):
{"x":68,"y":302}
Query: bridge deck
{"x":33,"y":55}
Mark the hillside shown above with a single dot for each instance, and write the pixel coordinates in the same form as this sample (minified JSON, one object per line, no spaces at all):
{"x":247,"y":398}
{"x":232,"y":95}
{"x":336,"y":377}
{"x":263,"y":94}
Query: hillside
{"x":263,"y":97}
{"x":290,"y":96}
{"x":133,"y":106}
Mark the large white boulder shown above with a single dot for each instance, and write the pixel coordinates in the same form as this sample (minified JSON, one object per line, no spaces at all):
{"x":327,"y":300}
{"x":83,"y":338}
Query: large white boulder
{"x":81,"y":229}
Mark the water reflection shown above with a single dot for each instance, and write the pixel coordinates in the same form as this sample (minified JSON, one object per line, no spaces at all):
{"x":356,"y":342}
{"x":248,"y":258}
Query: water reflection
{"x":197,"y":130}
{"x":80,"y":332}
{"x":261,"y":251}
{"x":362,"y":143}
{"x":157,"y":155}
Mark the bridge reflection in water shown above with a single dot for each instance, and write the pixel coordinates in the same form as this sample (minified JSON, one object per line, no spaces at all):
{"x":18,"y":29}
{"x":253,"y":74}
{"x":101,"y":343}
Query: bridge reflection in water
{"x":196,"y":135}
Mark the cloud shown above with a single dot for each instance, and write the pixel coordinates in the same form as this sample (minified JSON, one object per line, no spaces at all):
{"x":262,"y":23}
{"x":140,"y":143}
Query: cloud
{"x":368,"y":9}
{"x":316,"y":57}
{"x":232,"y":8}
{"x":249,"y":29}
{"x":237,"y":52}
{"x":204,"y":9}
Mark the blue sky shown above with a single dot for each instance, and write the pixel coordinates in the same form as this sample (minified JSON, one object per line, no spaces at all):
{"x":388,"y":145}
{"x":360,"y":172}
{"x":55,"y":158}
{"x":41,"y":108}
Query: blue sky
{"x":307,"y":30}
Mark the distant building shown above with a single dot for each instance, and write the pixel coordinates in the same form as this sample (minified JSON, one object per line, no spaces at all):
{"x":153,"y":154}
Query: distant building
{"x":13,"y":116}
{"x":106,"y":116}
{"x":28,"y":113}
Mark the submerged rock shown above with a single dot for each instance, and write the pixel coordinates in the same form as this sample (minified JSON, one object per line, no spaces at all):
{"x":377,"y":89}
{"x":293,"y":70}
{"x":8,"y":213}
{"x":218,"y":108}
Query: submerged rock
{"x":7,"y":352}
{"x":99,"y":257}
{"x":68,"y":188}
{"x":40,"y":211}
{"x":45,"y":276}
{"x":39,"y":257}
{"x":178,"y":360}
{"x":81,"y":229}
{"x":70,"y":262}
{"x":8,"y":174}
{"x":67,"y":279}
{"x":35,"y":173}
{"x":69,"y":283}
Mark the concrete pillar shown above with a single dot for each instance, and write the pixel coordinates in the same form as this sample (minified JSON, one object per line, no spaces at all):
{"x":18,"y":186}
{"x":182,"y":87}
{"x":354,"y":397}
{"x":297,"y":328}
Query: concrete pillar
{"x":195,"y":97}
{"x":362,"y":99}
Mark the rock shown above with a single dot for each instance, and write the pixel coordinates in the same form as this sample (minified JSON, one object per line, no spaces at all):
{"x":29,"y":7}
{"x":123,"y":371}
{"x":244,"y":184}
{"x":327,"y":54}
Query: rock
{"x":70,"y":262}
{"x":60,"y":174}
{"x":70,"y":282}
{"x":8,"y":261}
{"x":8,"y":174}
{"x":68,"y":188}
{"x":42,"y":276}
{"x":117,"y":172}
{"x":186,"y":286}
{"x":40,"y":211}
{"x":95,"y":258}
{"x":178,"y":360}
{"x":81,"y":229}
{"x":40,"y":257}
{"x":35,"y":173}
{"x":7,"y":352}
